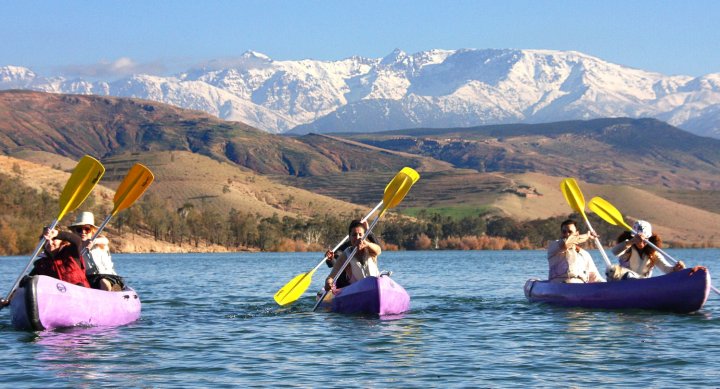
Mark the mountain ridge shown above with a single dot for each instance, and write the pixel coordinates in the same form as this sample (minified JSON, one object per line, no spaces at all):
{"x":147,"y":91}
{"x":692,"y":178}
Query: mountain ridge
{"x":434,"y":88}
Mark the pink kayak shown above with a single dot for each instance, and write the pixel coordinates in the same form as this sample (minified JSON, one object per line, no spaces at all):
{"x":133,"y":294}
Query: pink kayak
{"x":682,"y":291}
{"x":45,"y":303}
{"x":374,"y":295}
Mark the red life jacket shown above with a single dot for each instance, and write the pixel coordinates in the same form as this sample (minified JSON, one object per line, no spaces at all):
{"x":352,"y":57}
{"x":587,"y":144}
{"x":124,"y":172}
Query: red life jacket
{"x":63,"y":266}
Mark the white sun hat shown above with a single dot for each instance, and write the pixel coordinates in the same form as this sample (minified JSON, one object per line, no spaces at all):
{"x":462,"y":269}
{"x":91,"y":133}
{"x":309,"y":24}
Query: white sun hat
{"x":84,"y":219}
{"x":643,"y":227}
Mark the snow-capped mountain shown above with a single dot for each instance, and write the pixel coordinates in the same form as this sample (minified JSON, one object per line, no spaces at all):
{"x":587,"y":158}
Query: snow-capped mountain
{"x":436,"y":88}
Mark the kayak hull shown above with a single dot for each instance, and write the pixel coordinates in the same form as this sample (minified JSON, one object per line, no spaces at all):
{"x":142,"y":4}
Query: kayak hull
{"x":46,"y":303}
{"x":682,"y":291}
{"x":371,"y":295}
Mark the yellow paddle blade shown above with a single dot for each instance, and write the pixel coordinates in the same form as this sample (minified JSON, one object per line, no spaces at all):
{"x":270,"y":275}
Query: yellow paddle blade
{"x":83,"y":179}
{"x":607,"y":212}
{"x":294,"y":288}
{"x":132,"y":187}
{"x":573,"y":195}
{"x":396,"y":190}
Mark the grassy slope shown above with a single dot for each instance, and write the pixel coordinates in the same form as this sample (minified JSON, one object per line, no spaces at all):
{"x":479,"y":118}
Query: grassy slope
{"x":185,"y":177}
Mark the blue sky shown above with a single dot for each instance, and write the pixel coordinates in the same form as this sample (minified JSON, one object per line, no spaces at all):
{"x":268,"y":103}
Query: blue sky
{"x":106,"y":38}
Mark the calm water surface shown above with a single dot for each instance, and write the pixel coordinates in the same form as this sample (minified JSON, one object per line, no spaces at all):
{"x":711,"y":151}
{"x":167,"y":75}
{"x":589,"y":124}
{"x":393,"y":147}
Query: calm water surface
{"x":209,"y":320}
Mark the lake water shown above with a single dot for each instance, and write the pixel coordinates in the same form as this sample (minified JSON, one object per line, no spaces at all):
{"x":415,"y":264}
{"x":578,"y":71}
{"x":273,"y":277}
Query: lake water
{"x":209,"y":320}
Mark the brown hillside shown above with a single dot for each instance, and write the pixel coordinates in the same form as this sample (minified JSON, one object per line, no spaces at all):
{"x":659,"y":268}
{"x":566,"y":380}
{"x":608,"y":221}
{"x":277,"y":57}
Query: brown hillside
{"x":75,"y":125}
{"x":508,"y":170}
{"x":183,"y":177}
{"x":675,"y":222}
{"x":636,"y":152}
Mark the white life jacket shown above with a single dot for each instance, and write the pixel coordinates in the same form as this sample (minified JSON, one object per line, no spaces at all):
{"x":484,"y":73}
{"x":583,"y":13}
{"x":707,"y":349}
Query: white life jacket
{"x":358,"y":270}
{"x":577,"y":266}
{"x":633,"y":260}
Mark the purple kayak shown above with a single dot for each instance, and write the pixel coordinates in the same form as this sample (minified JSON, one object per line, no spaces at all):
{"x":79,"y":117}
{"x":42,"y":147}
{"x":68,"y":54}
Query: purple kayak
{"x":46,"y":303}
{"x":375,"y":295}
{"x":682,"y":291}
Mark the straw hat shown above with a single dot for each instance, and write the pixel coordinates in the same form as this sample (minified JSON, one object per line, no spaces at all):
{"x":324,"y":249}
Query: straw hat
{"x":85,"y":219}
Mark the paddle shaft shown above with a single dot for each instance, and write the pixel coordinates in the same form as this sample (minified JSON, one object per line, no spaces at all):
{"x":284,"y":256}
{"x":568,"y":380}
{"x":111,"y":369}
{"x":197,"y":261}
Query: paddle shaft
{"x":597,"y":241}
{"x":347,"y":262}
{"x":66,"y":207}
{"x":573,"y":195}
{"x":32,"y":260}
{"x":136,"y":182}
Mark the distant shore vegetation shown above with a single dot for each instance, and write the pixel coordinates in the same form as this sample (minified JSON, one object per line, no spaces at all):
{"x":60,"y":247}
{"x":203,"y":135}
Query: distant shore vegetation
{"x":24,"y":210}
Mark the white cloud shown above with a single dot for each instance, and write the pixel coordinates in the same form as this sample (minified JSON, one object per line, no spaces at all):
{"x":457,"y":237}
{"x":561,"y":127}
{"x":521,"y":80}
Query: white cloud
{"x":121,"y":67}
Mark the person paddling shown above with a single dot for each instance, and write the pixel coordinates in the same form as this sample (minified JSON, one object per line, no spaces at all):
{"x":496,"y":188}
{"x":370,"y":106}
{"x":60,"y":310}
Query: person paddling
{"x":330,"y":260}
{"x":567,"y":261}
{"x":637,"y":258}
{"x":364,"y":262}
{"x":101,"y":270}
{"x":61,"y":258}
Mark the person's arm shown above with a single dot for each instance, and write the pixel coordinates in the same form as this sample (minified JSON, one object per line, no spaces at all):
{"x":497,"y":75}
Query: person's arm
{"x":74,"y":240}
{"x":339,"y":261}
{"x":101,"y":242}
{"x":576,"y":239}
{"x":665,"y":266}
{"x":621,"y":248}
{"x":373,"y":249}
{"x":555,"y":247}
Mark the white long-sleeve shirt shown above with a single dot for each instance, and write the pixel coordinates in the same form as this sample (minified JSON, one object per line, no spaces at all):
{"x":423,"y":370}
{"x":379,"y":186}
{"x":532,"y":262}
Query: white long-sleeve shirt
{"x":630,"y":258}
{"x":569,"y":263}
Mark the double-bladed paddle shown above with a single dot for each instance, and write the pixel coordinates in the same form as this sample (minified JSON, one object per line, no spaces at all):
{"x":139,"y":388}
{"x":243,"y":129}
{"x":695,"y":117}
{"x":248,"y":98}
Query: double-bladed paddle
{"x":83,"y":179}
{"x":575,"y":198}
{"x":136,"y":182}
{"x":610,"y":214}
{"x":292,"y":291}
{"x":395,"y":191}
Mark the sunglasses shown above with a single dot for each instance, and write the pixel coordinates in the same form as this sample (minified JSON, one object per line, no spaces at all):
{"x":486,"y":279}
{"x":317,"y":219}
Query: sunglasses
{"x":81,"y":230}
